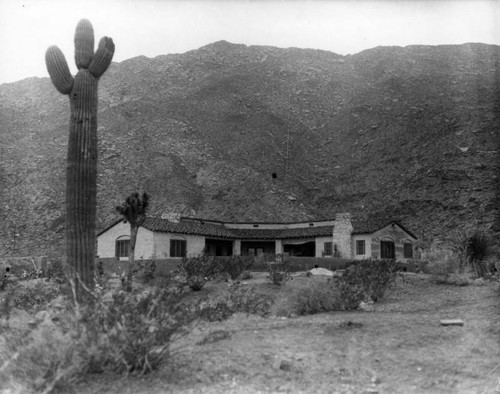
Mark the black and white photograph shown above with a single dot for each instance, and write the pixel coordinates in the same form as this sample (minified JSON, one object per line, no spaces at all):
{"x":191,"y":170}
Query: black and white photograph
{"x":249,"y":196}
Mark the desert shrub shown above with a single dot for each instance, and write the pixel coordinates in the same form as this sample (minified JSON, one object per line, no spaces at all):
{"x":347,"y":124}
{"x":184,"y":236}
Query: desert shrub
{"x":118,"y":332}
{"x":130,"y":333}
{"x":246,"y":275}
{"x":237,"y":299}
{"x":4,"y":280}
{"x":446,"y":267}
{"x":234,"y":265}
{"x":145,"y":270}
{"x":55,"y":271}
{"x":318,"y":297}
{"x":33,"y":296}
{"x":198,"y":270}
{"x":367,"y":280}
{"x":41,"y":358}
{"x":278,"y":268}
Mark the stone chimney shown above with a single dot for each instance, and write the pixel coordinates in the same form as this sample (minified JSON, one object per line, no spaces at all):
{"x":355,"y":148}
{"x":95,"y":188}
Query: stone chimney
{"x":342,"y":231}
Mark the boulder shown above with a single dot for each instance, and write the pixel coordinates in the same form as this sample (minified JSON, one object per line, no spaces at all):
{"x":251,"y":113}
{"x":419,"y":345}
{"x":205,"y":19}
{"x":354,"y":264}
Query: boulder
{"x":321,"y":271}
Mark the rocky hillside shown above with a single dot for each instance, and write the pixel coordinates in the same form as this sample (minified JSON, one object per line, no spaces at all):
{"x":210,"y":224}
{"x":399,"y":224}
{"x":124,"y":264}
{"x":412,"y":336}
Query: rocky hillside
{"x":239,"y":132}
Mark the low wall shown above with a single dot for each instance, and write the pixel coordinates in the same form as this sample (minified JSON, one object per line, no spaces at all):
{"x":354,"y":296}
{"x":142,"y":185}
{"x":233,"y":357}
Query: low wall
{"x":164,"y":267}
{"x":16,"y":265}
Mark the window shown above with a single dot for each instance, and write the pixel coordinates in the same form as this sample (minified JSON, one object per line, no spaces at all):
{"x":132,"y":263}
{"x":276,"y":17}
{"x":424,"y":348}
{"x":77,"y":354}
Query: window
{"x":360,"y":246}
{"x":328,"y":248}
{"x":408,"y":250}
{"x":177,"y":248}
{"x":387,"y":250}
{"x":121,"y":247}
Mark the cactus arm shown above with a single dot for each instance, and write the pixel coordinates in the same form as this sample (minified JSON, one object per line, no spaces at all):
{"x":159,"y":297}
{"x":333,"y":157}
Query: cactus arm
{"x":102,"y":57}
{"x":58,"y":70}
{"x":84,"y":44}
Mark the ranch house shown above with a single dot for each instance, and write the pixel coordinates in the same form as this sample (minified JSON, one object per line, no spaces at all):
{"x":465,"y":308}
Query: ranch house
{"x":342,"y":237}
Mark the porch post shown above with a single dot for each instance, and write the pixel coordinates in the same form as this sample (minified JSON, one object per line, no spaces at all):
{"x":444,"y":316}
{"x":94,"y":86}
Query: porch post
{"x":237,"y":247}
{"x":278,"y":247}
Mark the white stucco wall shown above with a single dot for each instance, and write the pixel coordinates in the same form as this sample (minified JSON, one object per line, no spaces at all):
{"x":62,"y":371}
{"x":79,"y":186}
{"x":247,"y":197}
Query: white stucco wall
{"x":149,"y":245}
{"x":320,"y":246}
{"x":194,"y":244}
{"x":368,"y":246}
{"x":144,"y":247}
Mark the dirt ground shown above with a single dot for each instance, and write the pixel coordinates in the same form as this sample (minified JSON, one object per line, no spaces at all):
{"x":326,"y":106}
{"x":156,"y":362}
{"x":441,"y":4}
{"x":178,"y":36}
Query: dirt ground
{"x":398,"y":347}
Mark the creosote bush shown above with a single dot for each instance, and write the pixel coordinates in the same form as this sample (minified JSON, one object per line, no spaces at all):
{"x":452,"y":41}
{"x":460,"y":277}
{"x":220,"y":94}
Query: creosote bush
{"x":118,"y":332}
{"x":318,"y":297}
{"x":359,"y":282}
{"x":237,"y":299}
{"x":373,"y":277}
{"x":198,"y":270}
{"x":234,"y":266}
{"x":145,"y":270}
{"x":278,"y":268}
{"x":33,"y":296}
{"x":55,"y":271}
{"x":130,"y":333}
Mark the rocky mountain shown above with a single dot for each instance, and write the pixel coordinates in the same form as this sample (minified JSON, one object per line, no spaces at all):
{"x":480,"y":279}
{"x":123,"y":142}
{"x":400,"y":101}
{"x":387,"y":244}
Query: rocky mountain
{"x":237,"y":132}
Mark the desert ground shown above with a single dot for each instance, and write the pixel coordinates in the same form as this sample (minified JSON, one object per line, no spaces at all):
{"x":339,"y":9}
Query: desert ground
{"x":397,"y":345}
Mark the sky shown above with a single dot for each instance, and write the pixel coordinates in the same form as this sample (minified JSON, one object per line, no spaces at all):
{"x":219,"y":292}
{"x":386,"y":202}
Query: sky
{"x":159,"y":27}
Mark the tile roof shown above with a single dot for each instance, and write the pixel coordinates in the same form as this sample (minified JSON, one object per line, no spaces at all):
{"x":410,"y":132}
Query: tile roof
{"x":220,"y":231}
{"x":372,"y":225}
{"x":166,"y":226}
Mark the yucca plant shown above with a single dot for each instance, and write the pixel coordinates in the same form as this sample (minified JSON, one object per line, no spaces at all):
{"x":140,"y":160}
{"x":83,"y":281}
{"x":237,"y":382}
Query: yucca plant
{"x":474,"y":250}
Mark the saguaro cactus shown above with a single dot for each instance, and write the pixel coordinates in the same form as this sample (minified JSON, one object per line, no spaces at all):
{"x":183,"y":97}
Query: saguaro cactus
{"x":81,"y":173}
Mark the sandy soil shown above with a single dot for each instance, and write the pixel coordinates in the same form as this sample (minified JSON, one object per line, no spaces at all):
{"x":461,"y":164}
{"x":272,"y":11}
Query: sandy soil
{"x":400,"y":347}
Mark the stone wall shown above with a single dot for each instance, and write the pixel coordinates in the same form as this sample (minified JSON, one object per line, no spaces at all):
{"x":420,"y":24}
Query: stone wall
{"x":397,"y":235}
{"x":342,"y":231}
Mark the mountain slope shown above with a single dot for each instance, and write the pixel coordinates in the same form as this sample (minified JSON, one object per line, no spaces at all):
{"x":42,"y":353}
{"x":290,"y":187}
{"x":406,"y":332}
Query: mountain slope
{"x":410,"y":132}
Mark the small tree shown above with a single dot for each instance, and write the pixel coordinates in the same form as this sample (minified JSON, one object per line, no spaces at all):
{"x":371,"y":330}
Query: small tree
{"x":133,"y":211}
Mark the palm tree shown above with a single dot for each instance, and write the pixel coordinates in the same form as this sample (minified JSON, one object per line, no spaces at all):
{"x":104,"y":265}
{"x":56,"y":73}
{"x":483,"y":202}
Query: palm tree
{"x":133,"y":211}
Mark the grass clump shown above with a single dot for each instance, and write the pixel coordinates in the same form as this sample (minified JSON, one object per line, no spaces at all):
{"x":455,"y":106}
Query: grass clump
{"x":445,"y":268}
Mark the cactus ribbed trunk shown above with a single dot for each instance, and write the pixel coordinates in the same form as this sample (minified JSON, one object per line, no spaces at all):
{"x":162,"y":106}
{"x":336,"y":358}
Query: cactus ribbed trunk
{"x":81,"y":175}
